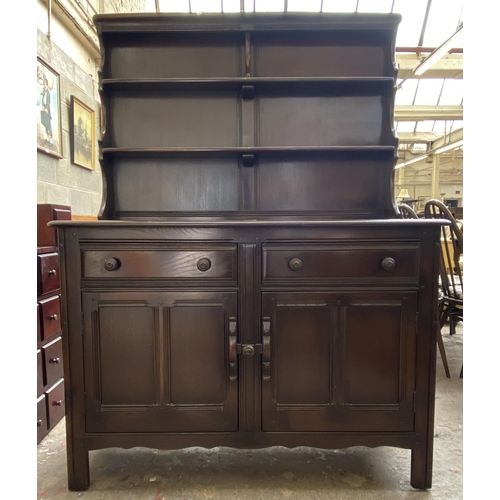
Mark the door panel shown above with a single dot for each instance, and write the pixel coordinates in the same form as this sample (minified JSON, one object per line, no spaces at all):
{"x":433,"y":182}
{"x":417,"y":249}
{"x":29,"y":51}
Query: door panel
{"x":127,"y":354}
{"x":158,"y":362}
{"x":303,"y":375}
{"x":339,"y":361}
{"x":200,"y":382}
{"x":372,"y":352}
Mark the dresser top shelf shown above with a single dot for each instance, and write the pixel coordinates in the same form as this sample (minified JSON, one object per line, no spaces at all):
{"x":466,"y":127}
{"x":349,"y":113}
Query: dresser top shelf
{"x":186,"y":222}
{"x":246,"y":21}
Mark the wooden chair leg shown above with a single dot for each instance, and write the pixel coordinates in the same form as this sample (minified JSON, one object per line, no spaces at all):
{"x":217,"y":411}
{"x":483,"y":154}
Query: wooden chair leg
{"x":453,"y":324}
{"x":443,"y":354}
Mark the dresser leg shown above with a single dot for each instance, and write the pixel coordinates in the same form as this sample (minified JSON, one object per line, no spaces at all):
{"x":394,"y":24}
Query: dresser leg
{"x":421,"y":468}
{"x":78,"y":470}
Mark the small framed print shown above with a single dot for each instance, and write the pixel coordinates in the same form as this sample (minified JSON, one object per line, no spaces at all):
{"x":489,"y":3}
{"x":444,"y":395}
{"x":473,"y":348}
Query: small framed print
{"x":83,"y":137}
{"x":48,"y":103}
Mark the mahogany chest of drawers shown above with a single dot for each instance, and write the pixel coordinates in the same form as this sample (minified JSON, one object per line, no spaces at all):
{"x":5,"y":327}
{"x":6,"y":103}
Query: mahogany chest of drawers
{"x":50,"y":383}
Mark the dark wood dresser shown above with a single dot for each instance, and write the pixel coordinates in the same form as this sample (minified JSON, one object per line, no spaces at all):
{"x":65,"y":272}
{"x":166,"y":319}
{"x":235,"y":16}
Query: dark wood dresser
{"x":250,"y":282}
{"x":50,"y":382}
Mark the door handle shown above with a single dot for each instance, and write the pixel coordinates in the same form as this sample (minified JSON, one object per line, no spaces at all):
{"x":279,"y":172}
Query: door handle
{"x":233,"y":368}
{"x":266,"y":348}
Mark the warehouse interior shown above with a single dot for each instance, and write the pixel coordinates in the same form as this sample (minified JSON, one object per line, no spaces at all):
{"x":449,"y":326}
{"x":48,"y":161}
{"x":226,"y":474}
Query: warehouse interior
{"x":429,"y":121}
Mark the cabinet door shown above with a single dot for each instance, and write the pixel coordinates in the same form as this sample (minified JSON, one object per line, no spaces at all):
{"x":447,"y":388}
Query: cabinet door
{"x":339,"y":361}
{"x":158,"y":362}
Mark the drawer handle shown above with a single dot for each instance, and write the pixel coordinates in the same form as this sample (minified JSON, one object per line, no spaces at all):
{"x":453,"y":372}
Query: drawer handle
{"x":112,"y":264}
{"x":58,"y":403}
{"x":388,"y":263}
{"x":52,"y":272}
{"x":55,"y":361}
{"x":39,"y":423}
{"x":295,"y":264}
{"x":204,"y":264}
{"x":54,"y":317}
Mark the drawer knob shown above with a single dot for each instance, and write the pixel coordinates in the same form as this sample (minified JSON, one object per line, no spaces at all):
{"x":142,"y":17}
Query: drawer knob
{"x":53,"y":317}
{"x":58,"y":403}
{"x":52,"y":272}
{"x":204,"y":264}
{"x":388,"y":263}
{"x":111,"y":264}
{"x":55,"y":361}
{"x":39,"y":423}
{"x":295,"y":264}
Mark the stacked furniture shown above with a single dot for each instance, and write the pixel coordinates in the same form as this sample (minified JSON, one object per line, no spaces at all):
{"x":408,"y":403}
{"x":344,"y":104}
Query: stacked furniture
{"x":50,"y":382}
{"x":250,"y":282}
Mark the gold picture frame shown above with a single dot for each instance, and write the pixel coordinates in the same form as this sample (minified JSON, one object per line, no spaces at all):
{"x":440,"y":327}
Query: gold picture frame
{"x":83,"y":135}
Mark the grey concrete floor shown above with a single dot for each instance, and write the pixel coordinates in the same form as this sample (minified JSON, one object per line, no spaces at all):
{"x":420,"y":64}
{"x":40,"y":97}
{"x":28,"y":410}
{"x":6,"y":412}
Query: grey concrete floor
{"x":273,"y":473}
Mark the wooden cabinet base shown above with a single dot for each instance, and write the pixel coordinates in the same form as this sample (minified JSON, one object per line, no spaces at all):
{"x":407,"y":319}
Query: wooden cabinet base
{"x":78,"y":458}
{"x":259,"y":356}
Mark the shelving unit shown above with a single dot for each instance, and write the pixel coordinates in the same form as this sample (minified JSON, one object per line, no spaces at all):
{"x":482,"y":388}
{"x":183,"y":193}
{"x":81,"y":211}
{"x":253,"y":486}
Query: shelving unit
{"x":246,"y":106}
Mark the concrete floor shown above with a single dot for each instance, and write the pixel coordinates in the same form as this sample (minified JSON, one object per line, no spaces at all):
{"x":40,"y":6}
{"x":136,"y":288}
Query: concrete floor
{"x":273,"y":473}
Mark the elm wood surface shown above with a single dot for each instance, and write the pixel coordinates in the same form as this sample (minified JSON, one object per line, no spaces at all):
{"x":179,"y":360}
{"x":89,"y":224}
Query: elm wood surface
{"x":365,"y":345}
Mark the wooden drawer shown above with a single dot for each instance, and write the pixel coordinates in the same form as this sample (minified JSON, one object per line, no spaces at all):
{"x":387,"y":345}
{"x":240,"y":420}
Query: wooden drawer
{"x":50,"y":316}
{"x":185,"y":264}
{"x":41,"y":415}
{"x":53,"y":361}
{"x":55,"y":403}
{"x":327,"y":262}
{"x":48,"y":272}
{"x":46,"y":236}
{"x":39,"y":372}
{"x":38,"y":325}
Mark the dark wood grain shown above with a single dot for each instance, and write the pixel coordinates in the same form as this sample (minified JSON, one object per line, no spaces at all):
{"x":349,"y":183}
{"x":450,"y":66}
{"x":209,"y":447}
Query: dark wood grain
{"x":161,"y":264}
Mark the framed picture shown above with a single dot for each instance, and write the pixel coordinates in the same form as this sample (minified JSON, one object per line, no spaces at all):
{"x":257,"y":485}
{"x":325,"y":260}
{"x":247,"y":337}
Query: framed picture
{"x":422,"y":200}
{"x":82,"y":134}
{"x":48,"y":104}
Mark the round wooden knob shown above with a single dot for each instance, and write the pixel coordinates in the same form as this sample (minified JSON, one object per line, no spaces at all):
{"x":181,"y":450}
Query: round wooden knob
{"x":52,"y":272}
{"x":53,"y":317}
{"x":58,"y":403}
{"x":111,"y":264}
{"x":56,"y":361}
{"x":204,"y":264}
{"x":39,"y":423}
{"x":295,"y":264}
{"x":248,"y":351}
{"x":388,"y":263}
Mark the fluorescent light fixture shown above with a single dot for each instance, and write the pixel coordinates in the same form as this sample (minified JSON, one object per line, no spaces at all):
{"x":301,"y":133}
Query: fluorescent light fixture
{"x":437,"y":151}
{"x":435,"y":56}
